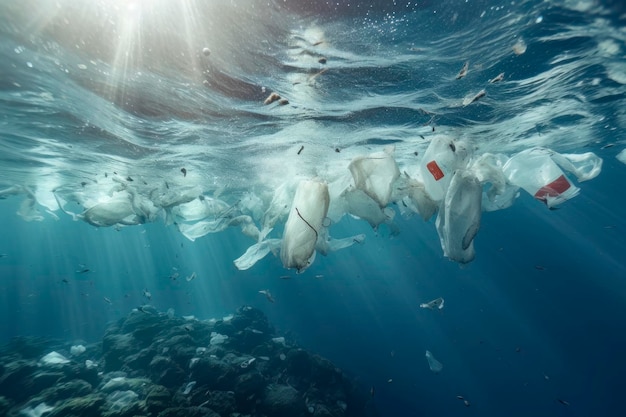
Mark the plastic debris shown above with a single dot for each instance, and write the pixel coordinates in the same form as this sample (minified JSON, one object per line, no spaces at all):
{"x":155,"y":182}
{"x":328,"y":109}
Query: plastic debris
{"x":308,"y":210}
{"x":217,"y":339}
{"x":441,"y":159}
{"x":458,"y":220}
{"x":436,"y":303}
{"x":433,"y":363}
{"x":622,"y":156}
{"x":267,"y":295}
{"x":539,"y":175}
{"x":375,"y":174}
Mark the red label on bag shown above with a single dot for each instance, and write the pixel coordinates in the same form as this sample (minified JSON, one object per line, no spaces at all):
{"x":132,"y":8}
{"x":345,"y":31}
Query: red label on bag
{"x":554,"y":189}
{"x":435,"y":170}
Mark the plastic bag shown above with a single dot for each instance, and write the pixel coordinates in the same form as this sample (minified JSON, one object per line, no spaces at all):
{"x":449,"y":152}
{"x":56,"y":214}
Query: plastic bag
{"x":458,"y":220}
{"x":441,"y":159}
{"x":433,"y":363}
{"x":308,"y":210}
{"x":375,"y":174}
{"x":536,"y":172}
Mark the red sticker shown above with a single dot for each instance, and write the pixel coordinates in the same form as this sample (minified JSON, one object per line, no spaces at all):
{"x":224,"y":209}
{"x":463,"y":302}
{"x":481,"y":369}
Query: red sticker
{"x":554,"y":189}
{"x":435,"y":170}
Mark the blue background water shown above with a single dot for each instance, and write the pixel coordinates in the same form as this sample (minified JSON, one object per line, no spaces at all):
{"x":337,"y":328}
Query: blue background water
{"x":537,"y":317}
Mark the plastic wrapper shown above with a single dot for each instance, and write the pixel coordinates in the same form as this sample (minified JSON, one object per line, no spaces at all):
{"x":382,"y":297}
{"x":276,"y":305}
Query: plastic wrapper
{"x":375,"y":174}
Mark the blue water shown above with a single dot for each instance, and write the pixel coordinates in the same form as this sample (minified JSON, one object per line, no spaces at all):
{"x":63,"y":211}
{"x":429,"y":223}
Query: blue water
{"x":535,"y":325}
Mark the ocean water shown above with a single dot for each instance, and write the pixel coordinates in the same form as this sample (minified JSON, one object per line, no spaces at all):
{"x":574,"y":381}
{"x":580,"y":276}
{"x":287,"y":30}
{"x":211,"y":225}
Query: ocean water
{"x":137,"y":108}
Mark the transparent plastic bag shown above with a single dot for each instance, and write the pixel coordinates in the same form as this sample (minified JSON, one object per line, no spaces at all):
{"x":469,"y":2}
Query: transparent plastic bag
{"x":537,"y":173}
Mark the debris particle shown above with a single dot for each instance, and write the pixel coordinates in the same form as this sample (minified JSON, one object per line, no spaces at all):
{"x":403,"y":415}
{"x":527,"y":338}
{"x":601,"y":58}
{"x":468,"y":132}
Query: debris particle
{"x":463,"y":71}
{"x":520,"y":47}
{"x":283,"y":101}
{"x":322,"y":60}
{"x":191,"y":277}
{"x":267,"y":295}
{"x":184,"y":171}
{"x":272,"y":98}
{"x":498,"y":78}
{"x":300,"y":150}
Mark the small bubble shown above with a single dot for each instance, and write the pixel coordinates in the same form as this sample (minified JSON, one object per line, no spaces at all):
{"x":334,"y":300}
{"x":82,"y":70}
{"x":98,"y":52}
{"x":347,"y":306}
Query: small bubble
{"x":539,"y":19}
{"x":29,"y":64}
{"x":206,"y":51}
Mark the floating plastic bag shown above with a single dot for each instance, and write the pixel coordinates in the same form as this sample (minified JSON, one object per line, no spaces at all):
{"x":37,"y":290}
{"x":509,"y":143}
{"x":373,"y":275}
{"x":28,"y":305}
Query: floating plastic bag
{"x":433,"y":363}
{"x":375,"y":174}
{"x":442,"y":157}
{"x":536,"y":172}
{"x":307,"y":214}
{"x":458,"y":220}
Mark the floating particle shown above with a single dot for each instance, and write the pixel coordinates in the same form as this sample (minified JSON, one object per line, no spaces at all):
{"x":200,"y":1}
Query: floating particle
{"x":300,"y":150}
{"x":184,"y":171}
{"x":463,"y":72}
{"x":272,"y":98}
{"x":497,"y":78}
{"x":206,"y":51}
{"x":520,"y":47}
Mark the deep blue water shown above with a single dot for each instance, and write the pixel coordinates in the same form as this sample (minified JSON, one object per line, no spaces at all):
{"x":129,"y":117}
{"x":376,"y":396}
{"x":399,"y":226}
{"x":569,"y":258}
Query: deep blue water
{"x":537,"y":317}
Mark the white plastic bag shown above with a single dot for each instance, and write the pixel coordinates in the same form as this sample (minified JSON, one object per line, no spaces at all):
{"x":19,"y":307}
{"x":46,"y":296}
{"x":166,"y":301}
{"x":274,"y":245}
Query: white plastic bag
{"x":536,"y":172}
{"x":308,"y":210}
{"x":375,"y":174}
{"x":442,"y":157}
{"x":458,"y":220}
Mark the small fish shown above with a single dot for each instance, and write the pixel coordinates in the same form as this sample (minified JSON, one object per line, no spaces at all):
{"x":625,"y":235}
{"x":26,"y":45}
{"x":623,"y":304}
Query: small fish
{"x":3,"y":255}
{"x":337,"y":150}
{"x":285,"y":277}
{"x":188,"y":327}
{"x":467,"y":403}
{"x":107,"y":300}
{"x":301,"y":148}
{"x":129,"y":179}
{"x":608,"y":145}
{"x":389,"y":381}
{"x":563,"y":402}
{"x":460,"y":397}
{"x":65,"y":280}
{"x":83,"y":271}
{"x":283,"y":101}
{"x":147,"y":294}
{"x":463,"y":71}
{"x":267,"y":295}
{"x":539,"y":267}
{"x":498,"y":78}
{"x":184,"y":171}
{"x":322,"y":60}
{"x":191,"y":277}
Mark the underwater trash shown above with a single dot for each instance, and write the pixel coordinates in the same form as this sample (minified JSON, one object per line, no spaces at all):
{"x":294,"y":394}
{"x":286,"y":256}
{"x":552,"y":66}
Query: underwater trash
{"x":436,"y":303}
{"x":191,"y":277}
{"x":537,"y":173}
{"x":247,"y":363}
{"x":375,"y":174}
{"x":433,"y":363}
{"x":308,"y":211}
{"x":442,"y":157}
{"x":463,"y":72}
{"x":458,"y":220}
{"x":267,"y":295}
{"x":621,"y":156}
